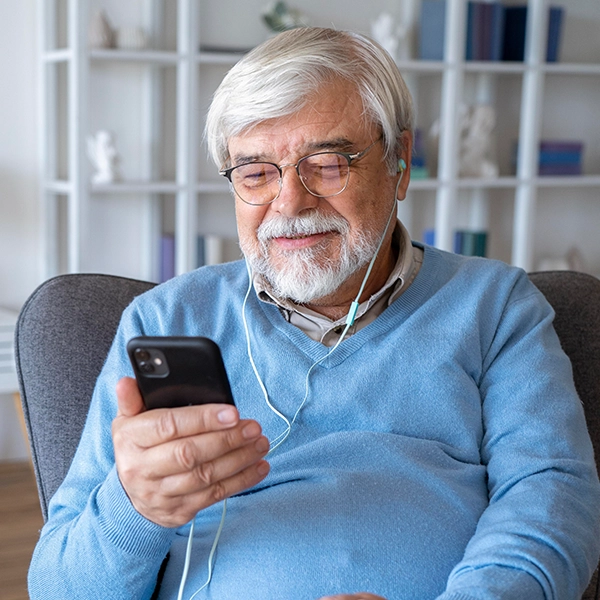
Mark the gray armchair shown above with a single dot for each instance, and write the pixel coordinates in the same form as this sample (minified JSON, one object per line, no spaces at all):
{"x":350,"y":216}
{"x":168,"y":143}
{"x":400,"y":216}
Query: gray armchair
{"x":66,"y":327}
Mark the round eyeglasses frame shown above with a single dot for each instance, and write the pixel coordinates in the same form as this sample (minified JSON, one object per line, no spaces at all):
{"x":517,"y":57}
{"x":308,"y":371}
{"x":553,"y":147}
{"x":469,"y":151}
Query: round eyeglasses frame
{"x":348,"y":156}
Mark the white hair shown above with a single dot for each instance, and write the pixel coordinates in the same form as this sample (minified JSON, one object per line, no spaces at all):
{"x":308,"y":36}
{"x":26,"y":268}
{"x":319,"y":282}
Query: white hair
{"x":277,"y":78}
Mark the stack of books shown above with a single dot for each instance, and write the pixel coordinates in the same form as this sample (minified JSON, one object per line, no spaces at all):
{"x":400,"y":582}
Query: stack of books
{"x":560,"y":158}
{"x":494,"y":31}
{"x":470,"y":243}
{"x":466,"y":241}
{"x":557,"y":157}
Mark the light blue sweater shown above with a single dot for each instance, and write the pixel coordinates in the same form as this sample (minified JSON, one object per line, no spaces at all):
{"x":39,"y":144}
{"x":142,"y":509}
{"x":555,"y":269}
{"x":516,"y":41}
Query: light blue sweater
{"x":442,"y":453}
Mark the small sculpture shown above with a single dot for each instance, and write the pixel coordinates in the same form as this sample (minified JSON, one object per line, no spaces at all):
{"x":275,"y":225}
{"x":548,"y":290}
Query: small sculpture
{"x":383,"y":32}
{"x":100,"y":34}
{"x":279,"y":17}
{"x":477,"y":125}
{"x":104,"y":157}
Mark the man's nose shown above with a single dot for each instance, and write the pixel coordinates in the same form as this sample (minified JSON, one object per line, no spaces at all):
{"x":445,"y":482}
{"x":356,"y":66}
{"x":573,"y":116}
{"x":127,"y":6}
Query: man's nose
{"x":293,"y":197}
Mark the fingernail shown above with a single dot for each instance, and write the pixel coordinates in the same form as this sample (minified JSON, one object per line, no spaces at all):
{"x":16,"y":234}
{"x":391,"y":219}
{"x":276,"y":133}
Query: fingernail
{"x":263,"y":467}
{"x":251,"y":430}
{"x":262,"y":445}
{"x":227,"y":416}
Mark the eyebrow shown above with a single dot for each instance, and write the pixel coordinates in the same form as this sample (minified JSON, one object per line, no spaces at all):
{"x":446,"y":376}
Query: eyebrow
{"x":341,"y":144}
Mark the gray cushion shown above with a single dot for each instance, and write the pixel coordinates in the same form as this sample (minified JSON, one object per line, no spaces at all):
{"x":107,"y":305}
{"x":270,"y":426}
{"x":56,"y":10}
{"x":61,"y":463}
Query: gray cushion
{"x":62,"y":337}
{"x":575,"y":298}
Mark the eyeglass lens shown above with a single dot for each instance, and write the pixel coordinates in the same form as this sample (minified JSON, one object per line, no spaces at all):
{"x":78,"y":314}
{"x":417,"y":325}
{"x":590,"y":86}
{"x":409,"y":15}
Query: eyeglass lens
{"x":324,"y":174}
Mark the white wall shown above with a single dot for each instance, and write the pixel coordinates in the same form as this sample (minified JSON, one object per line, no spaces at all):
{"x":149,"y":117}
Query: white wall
{"x":19,"y":216}
{"x":19,"y":239}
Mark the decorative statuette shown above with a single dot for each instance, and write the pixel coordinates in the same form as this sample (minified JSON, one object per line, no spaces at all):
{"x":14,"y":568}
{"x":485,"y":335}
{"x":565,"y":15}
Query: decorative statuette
{"x":104,"y":157}
{"x":476,"y":142}
{"x":100,"y":33}
{"x":384,"y":32}
{"x":279,"y":17}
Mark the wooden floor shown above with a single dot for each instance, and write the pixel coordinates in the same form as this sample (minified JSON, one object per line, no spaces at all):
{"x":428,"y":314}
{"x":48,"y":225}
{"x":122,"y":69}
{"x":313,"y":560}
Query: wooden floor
{"x":20,"y":522}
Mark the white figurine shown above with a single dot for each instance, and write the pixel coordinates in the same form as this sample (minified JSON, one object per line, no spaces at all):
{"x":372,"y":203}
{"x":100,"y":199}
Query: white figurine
{"x":100,"y":34}
{"x":383,"y":32}
{"x":104,"y":157}
{"x":477,"y":126}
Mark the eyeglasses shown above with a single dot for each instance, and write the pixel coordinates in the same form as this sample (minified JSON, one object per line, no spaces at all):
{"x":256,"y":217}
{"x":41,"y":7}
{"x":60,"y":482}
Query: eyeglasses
{"x":323,"y":174}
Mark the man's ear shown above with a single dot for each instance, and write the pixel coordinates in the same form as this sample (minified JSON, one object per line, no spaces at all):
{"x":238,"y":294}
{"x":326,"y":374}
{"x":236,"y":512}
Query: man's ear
{"x":404,"y":160}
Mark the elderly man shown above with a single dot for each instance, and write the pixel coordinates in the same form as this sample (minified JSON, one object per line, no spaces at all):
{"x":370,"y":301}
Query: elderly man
{"x":422,"y":435}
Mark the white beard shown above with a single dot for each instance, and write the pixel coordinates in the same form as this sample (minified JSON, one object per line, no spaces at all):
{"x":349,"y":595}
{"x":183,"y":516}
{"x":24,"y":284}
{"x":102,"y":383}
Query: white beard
{"x":306,"y":274}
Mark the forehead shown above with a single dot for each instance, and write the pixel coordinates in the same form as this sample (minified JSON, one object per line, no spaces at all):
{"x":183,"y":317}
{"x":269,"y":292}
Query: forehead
{"x":332,"y":117}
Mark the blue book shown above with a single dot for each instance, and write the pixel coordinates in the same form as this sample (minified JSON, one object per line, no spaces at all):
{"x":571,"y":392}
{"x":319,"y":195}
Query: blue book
{"x":486,"y":31}
{"x":515,"y":22}
{"x":469,"y":51}
{"x":515,"y":25}
{"x":549,"y":158}
{"x":555,"y":20}
{"x":429,"y":237}
{"x":497,"y":32}
{"x":432,"y":29}
{"x":458,"y":242}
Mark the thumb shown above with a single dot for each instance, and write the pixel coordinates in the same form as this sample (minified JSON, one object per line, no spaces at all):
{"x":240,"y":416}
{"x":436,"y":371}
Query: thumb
{"x":129,"y":399}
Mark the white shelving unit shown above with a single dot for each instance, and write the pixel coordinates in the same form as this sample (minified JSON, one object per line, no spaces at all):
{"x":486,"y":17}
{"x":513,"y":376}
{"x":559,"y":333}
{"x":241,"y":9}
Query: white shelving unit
{"x":67,"y":113}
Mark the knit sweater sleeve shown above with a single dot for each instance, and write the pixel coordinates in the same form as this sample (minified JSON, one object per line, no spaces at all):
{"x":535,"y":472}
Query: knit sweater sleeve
{"x":95,"y":544}
{"x":538,"y":537}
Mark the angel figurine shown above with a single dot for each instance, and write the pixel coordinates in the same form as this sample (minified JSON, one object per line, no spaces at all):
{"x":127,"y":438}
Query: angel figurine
{"x":104,"y":157}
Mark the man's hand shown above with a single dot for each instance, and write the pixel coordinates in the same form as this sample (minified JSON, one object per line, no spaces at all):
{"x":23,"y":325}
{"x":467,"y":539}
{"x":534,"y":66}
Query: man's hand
{"x":359,"y":596}
{"x":174,"y":462}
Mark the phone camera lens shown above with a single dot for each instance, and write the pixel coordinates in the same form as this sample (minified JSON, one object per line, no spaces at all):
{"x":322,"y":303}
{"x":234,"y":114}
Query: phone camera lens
{"x":146,"y":367}
{"x":142,"y":355}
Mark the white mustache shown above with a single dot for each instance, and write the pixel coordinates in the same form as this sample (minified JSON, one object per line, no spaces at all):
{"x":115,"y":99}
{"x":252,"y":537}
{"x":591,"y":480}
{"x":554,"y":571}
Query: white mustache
{"x":308,"y":224}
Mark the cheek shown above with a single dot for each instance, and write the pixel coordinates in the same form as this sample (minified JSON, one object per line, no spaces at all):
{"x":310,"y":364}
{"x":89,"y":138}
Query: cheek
{"x":248,"y":220}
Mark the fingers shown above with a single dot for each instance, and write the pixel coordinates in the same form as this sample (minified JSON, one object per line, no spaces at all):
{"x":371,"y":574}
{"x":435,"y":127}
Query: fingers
{"x":162,"y":425}
{"x":223,"y":466}
{"x":129,"y":399}
{"x":197,"y":454}
{"x":177,"y":510}
{"x":173,"y":463}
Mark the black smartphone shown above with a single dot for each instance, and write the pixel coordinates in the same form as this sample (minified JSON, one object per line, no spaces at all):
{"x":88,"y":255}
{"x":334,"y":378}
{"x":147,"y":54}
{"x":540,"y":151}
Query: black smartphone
{"x":179,"y":371}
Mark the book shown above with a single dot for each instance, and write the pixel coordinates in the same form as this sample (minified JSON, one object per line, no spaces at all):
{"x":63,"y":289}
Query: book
{"x":497,"y":31}
{"x":515,"y":23}
{"x":432,"y":29}
{"x":429,"y":237}
{"x":470,"y":243}
{"x":485,"y":28}
{"x":515,"y":26}
{"x":555,"y":19}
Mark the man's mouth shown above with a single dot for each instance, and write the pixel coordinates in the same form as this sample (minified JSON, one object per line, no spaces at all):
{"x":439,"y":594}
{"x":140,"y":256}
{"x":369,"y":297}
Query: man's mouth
{"x":300,"y":240}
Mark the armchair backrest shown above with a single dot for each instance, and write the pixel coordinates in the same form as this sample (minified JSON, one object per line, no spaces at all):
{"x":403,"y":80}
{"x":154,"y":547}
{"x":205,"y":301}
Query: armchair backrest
{"x":62,"y":338}
{"x":575,"y":298}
